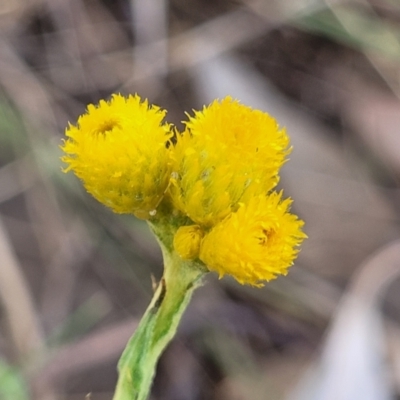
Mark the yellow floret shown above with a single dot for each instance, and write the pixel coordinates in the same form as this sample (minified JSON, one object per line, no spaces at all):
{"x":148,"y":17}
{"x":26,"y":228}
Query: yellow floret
{"x":118,"y":149}
{"x":227,"y":154}
{"x":255,"y":244}
{"x":187,"y":241}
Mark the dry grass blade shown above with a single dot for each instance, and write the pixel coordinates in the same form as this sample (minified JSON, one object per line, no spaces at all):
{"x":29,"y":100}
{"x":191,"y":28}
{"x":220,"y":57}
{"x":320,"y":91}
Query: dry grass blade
{"x":22,"y":318}
{"x":351,"y":366}
{"x":97,"y":348}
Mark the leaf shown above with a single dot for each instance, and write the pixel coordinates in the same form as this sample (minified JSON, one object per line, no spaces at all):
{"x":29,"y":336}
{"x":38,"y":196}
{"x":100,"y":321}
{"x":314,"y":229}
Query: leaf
{"x":12,"y":385}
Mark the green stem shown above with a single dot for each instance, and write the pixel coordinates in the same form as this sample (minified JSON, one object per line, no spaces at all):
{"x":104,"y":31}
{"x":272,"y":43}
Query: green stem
{"x":157,"y":327}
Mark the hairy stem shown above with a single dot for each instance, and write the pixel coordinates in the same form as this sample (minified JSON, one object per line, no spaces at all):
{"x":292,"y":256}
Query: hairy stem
{"x":157,"y":327}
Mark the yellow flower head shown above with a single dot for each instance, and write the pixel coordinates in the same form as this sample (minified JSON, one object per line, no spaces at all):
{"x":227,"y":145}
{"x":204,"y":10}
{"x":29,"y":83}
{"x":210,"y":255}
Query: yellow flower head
{"x":227,"y":153}
{"x":118,"y":149}
{"x":187,"y":241}
{"x":255,"y":243}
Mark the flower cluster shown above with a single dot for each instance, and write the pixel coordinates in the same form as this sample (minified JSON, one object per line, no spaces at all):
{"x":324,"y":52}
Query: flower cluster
{"x":219,"y":174}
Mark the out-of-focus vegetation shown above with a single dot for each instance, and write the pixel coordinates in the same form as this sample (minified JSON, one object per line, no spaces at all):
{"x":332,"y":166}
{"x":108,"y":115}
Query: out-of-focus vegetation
{"x":75,"y":278}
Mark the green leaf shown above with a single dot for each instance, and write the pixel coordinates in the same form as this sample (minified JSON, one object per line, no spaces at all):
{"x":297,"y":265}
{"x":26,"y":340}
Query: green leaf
{"x":12,"y":385}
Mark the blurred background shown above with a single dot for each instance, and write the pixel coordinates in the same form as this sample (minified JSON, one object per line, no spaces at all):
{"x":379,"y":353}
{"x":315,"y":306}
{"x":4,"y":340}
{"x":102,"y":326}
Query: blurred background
{"x":76,"y":278}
